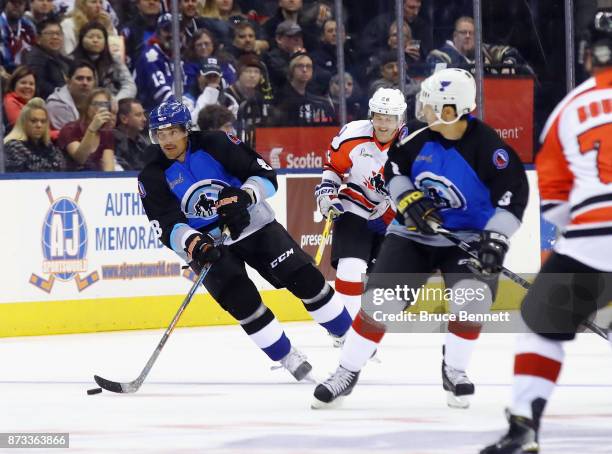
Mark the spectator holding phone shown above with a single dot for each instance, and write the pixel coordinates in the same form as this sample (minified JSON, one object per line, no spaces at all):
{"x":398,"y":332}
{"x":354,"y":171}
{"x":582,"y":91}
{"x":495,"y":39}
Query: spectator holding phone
{"x":88,"y":142}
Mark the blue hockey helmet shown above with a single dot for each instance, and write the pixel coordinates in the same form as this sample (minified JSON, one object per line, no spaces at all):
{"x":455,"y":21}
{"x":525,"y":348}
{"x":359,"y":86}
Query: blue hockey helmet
{"x":167,"y":114}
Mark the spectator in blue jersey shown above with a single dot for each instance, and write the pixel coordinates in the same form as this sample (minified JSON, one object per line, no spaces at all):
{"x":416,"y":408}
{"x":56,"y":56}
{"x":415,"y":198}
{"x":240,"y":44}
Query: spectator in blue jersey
{"x":46,"y":59}
{"x":201,"y":46}
{"x":154,"y":77}
{"x":28,"y":147}
{"x":110,"y":72}
{"x":137,"y":31}
{"x":17,"y":33}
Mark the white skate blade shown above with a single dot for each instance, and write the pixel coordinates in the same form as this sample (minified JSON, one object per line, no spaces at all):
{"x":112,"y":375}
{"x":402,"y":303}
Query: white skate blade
{"x":453,"y":401}
{"x":319,"y":405}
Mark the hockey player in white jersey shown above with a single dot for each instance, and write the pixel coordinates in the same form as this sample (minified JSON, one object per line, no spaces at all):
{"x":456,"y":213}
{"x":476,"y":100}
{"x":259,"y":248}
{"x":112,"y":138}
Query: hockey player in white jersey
{"x":574,"y":169}
{"x":353,"y":192}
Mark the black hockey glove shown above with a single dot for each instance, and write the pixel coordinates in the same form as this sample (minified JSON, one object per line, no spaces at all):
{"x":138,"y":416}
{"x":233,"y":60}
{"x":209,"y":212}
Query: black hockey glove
{"x":491,"y":251}
{"x":232,"y":208}
{"x":203,"y":251}
{"x":419,"y":211}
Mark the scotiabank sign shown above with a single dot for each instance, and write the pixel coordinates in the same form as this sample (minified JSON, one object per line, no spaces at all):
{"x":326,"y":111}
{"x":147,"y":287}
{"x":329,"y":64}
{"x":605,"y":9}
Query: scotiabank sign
{"x":508,"y":109}
{"x":294,"y":148}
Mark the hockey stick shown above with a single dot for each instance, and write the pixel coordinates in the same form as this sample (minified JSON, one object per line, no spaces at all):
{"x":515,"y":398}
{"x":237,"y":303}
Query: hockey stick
{"x":512,"y":276}
{"x":323,"y":243}
{"x":133,"y":386}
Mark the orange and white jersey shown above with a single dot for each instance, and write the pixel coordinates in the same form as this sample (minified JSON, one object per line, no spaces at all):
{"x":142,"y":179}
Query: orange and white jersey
{"x":574,"y":169}
{"x":355,"y":160}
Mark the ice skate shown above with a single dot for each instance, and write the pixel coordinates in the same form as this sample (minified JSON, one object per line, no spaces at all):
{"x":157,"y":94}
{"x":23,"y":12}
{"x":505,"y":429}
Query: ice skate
{"x":296,"y":363}
{"x":458,"y":385}
{"x":339,"y":384}
{"x":522,"y":438}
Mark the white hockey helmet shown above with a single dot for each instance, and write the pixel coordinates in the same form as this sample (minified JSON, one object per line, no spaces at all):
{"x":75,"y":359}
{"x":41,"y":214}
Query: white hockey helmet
{"x":388,"y":101}
{"x":448,"y":86}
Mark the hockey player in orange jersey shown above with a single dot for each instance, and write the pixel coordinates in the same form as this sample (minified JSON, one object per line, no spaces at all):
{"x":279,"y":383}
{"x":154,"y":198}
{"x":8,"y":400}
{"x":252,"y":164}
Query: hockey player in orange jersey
{"x":353,"y":192}
{"x":574,"y":169}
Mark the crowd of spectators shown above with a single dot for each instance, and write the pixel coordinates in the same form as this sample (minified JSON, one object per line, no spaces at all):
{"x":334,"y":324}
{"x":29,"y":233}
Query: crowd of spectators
{"x":79,"y":76}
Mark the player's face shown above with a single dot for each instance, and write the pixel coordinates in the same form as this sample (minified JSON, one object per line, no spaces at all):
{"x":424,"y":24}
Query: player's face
{"x":385,"y":126}
{"x":173,"y":142}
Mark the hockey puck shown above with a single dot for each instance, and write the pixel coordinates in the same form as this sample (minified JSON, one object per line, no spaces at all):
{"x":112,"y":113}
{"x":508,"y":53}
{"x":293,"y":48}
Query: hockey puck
{"x":94,"y":391}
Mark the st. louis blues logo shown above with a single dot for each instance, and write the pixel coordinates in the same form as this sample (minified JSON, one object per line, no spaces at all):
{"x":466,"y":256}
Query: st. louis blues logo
{"x":64,"y":244}
{"x":444,"y":84}
{"x":500,"y":158}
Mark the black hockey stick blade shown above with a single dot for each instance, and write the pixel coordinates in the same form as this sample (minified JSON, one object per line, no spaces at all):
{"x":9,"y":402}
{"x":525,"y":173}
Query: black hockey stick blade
{"x":114,"y":386}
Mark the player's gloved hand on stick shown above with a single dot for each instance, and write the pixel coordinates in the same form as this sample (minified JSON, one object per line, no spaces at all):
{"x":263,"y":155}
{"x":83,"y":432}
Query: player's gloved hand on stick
{"x":232,"y":208}
{"x":201,"y":250}
{"x":327,"y":199}
{"x":491,"y":251}
{"x":381,"y":217}
{"x":419,"y":211}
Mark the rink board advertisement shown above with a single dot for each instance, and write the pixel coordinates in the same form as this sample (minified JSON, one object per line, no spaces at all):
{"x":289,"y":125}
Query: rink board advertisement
{"x":80,"y":255}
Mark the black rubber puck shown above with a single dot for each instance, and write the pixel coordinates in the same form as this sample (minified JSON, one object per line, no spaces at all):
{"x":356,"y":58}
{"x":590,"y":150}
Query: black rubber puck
{"x":94,"y":391}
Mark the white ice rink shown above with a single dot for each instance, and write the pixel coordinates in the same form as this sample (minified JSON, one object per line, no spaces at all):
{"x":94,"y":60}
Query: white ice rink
{"x":211,"y":391}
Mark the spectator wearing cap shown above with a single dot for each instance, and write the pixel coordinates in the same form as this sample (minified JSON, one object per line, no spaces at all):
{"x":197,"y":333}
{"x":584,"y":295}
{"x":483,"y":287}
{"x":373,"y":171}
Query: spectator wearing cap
{"x":389,"y":77}
{"x":293,"y":11}
{"x":154,"y":77}
{"x":213,"y":91}
{"x":200,"y":46}
{"x":131,"y":144}
{"x":296,"y":104}
{"x":46,"y":60}
{"x":253,"y":109}
{"x":17,"y":34}
{"x":138,"y":30}
{"x":288,"y":41}
{"x":216,"y":118}
{"x":84,"y":11}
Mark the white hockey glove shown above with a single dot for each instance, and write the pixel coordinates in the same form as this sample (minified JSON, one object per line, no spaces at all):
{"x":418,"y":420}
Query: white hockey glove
{"x":327,"y":198}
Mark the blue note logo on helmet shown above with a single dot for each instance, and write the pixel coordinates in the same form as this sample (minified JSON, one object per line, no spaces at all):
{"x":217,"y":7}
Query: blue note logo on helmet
{"x":167,"y":114}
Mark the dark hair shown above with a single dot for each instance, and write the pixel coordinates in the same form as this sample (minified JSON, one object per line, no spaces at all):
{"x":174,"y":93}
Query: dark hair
{"x":212,"y":117}
{"x":105,"y":61}
{"x":190,"y":51}
{"x":125,"y":106}
{"x":51,"y":20}
{"x":241,"y":26}
{"x":19,"y":73}
{"x":78,"y":64}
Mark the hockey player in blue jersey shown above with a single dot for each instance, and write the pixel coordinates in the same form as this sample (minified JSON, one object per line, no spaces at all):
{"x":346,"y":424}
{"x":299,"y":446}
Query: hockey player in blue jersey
{"x":458,"y":174}
{"x":200,"y":183}
{"x":154,"y":76}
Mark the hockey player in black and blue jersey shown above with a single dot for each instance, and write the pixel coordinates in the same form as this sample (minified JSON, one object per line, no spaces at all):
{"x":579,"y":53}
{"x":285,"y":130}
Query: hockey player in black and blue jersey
{"x":200,"y":183}
{"x":458,"y":174}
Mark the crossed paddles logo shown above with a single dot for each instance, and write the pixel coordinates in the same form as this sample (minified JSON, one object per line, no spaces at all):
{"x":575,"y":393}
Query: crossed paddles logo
{"x":64,"y":245}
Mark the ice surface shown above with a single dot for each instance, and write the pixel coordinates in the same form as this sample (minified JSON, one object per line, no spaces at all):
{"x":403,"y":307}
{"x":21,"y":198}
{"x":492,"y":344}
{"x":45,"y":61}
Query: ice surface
{"x":211,"y":391}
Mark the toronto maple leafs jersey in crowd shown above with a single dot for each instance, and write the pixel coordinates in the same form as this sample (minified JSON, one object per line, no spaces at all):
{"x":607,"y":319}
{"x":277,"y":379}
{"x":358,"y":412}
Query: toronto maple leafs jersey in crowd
{"x":477,"y":182}
{"x":154,"y":77}
{"x":179,"y":197}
